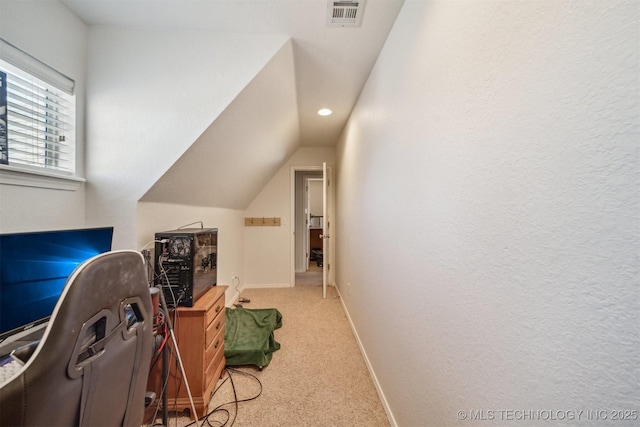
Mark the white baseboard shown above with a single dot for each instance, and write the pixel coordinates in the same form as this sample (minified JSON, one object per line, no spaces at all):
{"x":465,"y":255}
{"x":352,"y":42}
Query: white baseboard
{"x":264,"y":286}
{"x":383,"y":399}
{"x":231,"y":296}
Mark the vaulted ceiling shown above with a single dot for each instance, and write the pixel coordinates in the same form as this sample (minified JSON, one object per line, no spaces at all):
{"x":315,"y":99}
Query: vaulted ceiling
{"x":331,"y":63}
{"x":229,"y":163}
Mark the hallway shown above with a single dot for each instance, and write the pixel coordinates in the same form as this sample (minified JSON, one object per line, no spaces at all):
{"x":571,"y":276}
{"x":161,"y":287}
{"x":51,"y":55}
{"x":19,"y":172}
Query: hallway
{"x":313,"y":276}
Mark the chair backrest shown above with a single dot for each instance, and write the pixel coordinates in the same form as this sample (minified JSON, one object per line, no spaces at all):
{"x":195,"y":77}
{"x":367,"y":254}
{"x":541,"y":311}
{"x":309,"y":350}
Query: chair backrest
{"x":92,"y":363}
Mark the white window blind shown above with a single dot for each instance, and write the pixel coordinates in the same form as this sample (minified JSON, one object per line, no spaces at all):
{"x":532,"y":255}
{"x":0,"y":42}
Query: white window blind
{"x":40,"y":113}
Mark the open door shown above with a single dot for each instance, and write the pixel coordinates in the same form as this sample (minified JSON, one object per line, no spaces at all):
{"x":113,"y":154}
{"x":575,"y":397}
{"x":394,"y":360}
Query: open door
{"x":326,"y":228}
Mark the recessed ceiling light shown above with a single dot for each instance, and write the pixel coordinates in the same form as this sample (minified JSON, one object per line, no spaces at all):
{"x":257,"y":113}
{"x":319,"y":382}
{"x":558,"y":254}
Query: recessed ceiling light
{"x":324,"y":111}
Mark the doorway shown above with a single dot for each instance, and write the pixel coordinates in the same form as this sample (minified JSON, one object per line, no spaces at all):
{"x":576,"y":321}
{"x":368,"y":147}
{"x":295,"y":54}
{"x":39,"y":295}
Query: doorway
{"x":310,"y":235}
{"x":308,"y":207}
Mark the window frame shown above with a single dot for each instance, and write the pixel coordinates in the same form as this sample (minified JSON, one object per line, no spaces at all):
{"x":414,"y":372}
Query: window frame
{"x":16,"y":61}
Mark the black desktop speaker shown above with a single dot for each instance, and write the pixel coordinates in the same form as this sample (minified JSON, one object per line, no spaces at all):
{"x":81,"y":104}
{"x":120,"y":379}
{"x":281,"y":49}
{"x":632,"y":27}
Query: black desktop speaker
{"x":186,"y":264}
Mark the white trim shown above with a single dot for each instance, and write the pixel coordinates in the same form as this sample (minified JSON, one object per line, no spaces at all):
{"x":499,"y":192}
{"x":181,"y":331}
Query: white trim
{"x":15,"y":175}
{"x":230,"y":301}
{"x":35,"y":67}
{"x":292,"y":215}
{"x":264,"y":286}
{"x":374,"y":378}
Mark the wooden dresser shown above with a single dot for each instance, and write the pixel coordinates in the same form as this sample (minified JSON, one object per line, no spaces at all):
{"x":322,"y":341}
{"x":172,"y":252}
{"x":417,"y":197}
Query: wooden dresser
{"x":199,"y":332}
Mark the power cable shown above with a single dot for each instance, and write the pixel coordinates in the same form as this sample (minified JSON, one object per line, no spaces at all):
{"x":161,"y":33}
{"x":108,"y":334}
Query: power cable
{"x":220,"y":408}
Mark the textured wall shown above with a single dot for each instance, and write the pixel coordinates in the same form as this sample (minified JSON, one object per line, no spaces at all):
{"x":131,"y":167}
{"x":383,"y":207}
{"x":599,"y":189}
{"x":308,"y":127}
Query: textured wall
{"x":228,"y":164}
{"x":151,"y":94}
{"x":489,"y":211}
{"x":155,"y":217}
{"x":268,"y":250}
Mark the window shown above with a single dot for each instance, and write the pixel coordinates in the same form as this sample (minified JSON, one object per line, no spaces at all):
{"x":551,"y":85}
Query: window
{"x":37,"y":115}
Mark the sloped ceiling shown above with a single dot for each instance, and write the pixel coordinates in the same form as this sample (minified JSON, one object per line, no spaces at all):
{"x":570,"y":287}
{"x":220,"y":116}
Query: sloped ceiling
{"x":332,"y":64}
{"x":276,"y":113}
{"x":233,"y":159}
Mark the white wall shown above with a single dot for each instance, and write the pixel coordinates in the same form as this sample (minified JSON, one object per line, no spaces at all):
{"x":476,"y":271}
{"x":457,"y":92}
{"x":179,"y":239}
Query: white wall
{"x":228,"y":164}
{"x":268,"y":250}
{"x":49,"y":32}
{"x":256,"y":256}
{"x":315,"y":197}
{"x":157,"y":217}
{"x":151,"y":94}
{"x":489,"y":211}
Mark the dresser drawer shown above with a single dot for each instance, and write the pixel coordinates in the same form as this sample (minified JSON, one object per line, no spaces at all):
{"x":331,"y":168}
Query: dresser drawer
{"x":217,"y":343}
{"x":213,"y":328}
{"x":200,"y":337}
{"x":217,"y":308}
{"x":213,"y":371}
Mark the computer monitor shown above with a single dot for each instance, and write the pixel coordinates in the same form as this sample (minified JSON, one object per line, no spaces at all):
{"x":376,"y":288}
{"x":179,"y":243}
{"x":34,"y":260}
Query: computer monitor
{"x":34,"y":268}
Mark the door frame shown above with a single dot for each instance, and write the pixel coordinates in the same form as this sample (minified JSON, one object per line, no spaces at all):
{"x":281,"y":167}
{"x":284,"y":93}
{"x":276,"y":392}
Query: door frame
{"x":328,"y":263}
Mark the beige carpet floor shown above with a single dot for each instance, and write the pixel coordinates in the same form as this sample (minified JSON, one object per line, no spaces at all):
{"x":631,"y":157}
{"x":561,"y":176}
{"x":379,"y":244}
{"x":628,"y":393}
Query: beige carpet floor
{"x":313,"y":276}
{"x":317,"y":378}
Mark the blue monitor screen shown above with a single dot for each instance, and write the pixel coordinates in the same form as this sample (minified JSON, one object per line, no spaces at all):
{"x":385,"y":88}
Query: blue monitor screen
{"x":35,"y":266}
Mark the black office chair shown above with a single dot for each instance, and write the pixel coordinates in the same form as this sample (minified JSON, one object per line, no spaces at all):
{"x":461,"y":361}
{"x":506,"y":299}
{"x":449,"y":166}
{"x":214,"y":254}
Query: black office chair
{"x":92,"y":364}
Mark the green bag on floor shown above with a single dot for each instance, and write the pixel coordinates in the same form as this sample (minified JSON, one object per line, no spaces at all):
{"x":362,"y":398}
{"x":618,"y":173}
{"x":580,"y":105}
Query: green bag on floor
{"x":249,"y":337}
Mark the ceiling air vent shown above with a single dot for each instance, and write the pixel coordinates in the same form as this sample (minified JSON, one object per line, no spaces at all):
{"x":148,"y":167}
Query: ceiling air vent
{"x":345,"y":13}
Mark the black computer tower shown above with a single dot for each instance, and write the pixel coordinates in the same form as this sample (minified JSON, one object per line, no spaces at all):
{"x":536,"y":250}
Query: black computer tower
{"x":186,"y":264}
